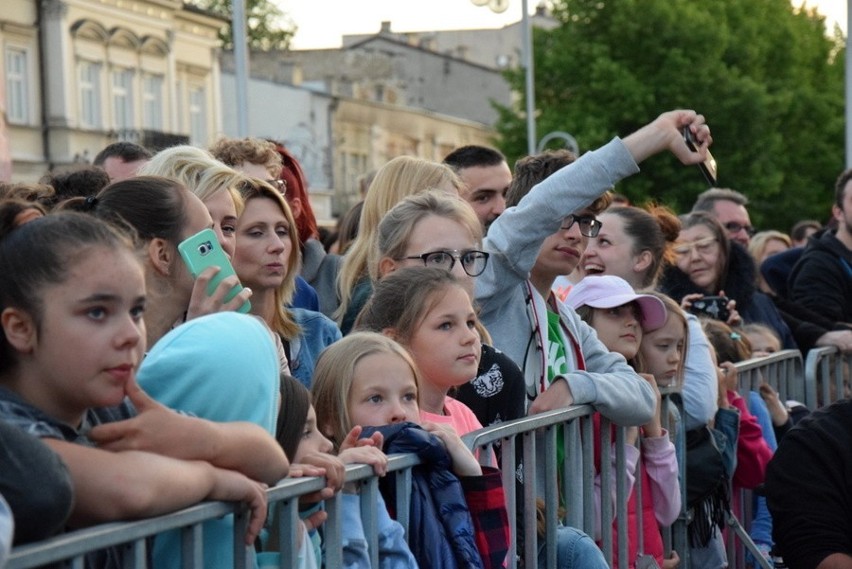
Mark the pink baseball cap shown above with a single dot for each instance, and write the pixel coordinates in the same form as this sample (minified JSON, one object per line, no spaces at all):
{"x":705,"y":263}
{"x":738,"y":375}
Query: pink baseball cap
{"x":608,"y":291}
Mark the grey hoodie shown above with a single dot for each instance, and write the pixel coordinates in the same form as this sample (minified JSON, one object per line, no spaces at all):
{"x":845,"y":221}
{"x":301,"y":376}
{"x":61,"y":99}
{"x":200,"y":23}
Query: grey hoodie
{"x":511,"y":308}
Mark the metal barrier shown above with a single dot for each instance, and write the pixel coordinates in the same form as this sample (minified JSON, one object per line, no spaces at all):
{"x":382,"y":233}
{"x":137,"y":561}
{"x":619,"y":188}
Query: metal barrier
{"x":131,"y":538}
{"x":827,"y":377}
{"x":527,"y":450}
{"x":540,"y":475}
{"x":783,"y":371}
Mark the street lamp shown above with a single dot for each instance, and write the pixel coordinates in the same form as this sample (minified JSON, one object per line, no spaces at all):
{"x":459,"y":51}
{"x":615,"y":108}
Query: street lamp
{"x":499,"y":6}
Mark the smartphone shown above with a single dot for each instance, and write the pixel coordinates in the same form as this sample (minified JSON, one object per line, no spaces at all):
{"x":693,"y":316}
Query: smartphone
{"x":202,"y":250}
{"x":708,"y":167}
{"x":711,"y":306}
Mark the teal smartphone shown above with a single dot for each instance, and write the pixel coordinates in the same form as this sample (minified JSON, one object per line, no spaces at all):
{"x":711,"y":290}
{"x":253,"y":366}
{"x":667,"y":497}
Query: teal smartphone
{"x":202,"y":250}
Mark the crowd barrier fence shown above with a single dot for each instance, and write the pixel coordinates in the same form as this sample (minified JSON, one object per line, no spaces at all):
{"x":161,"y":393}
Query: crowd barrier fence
{"x":827,"y":377}
{"x":527,"y":452}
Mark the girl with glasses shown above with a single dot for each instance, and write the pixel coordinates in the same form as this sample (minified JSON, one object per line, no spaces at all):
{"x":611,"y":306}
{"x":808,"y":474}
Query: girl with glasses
{"x":401,"y":177}
{"x":434,"y":229}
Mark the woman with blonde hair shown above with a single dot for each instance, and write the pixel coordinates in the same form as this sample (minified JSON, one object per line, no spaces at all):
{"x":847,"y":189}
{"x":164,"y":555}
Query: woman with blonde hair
{"x":213,"y":182}
{"x":266,"y":260}
{"x":765,"y":244}
{"x":429,"y":230}
{"x":401,"y":177}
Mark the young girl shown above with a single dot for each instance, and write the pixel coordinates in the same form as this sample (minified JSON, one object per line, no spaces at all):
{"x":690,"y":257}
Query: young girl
{"x":426,"y":230}
{"x":267,"y":261}
{"x":756,"y":442}
{"x":623,"y":320}
{"x":72,"y":296}
{"x":300,"y":437}
{"x":367,"y":379}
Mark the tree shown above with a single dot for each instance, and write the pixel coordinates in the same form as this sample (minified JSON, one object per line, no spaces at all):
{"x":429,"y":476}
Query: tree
{"x":268,"y":28}
{"x":766,"y":76}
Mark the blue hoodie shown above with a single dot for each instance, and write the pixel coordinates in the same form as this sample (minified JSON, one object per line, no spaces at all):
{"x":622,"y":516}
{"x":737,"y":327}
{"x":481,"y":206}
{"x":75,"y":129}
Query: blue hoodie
{"x":221,"y":367}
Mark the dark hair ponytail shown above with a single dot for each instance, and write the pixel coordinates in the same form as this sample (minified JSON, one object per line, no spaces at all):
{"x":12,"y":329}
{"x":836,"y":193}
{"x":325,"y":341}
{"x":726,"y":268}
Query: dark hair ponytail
{"x":40,"y":253}
{"x":150,"y":206}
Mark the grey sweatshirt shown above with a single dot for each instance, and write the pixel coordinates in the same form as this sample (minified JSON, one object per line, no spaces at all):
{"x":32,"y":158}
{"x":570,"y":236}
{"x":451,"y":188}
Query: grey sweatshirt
{"x":515,"y":313}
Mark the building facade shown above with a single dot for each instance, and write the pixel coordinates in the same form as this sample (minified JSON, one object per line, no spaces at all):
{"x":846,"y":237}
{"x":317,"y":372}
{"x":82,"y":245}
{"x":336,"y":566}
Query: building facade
{"x":80,"y":74}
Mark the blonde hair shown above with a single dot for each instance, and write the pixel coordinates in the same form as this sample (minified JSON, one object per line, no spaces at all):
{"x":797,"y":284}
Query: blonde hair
{"x":401,"y":177}
{"x":196,"y":169}
{"x":672,"y":309}
{"x":282,"y":320}
{"x":759,"y":242}
{"x":335,"y":371}
{"x":394,"y":230}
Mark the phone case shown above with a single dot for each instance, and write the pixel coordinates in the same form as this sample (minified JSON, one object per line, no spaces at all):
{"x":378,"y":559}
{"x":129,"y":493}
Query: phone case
{"x":202,"y":250}
{"x":708,"y":167}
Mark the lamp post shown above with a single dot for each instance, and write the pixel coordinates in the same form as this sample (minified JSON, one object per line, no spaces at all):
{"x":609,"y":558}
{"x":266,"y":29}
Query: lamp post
{"x":527,"y":60}
{"x":241,"y":63}
{"x":848,"y":85}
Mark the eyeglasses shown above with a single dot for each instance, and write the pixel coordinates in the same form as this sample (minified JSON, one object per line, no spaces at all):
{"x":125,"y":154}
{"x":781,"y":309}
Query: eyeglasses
{"x":280,"y":185}
{"x":703,"y":246}
{"x":472,"y":261}
{"x":589,"y":225}
{"x":734,"y":227}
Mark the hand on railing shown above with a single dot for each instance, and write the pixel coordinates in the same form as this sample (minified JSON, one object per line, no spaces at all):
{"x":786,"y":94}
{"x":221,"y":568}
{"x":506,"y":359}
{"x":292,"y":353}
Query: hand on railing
{"x":672,"y":562}
{"x":557,"y":396}
{"x":464,"y":463}
{"x":231,"y":486}
{"x":364,"y":451}
{"x":841,"y":339}
{"x":320,"y":464}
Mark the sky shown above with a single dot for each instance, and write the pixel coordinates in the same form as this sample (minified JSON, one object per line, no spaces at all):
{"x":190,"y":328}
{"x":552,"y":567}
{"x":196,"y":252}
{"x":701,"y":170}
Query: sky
{"x":322,"y":22}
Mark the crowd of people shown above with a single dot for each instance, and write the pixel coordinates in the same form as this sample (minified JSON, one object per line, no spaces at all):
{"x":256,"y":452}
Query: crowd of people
{"x":457,"y":294}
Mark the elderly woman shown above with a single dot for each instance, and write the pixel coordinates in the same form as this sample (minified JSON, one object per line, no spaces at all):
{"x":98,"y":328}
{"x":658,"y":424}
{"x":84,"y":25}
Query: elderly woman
{"x":710,"y":264}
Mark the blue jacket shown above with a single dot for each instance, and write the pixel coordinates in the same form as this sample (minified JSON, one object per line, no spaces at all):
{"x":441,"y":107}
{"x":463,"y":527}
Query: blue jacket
{"x":318,"y":332}
{"x":440,"y":533}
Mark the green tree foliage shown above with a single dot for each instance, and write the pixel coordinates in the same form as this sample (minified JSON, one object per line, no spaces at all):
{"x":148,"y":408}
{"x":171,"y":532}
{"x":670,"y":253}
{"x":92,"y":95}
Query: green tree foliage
{"x":268,"y":27}
{"x":768,"y":79}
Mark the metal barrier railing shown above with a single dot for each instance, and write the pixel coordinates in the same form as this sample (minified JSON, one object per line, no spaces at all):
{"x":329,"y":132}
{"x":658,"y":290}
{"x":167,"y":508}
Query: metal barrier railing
{"x":527,"y":450}
{"x":131,"y":538}
{"x":533,"y":440}
{"x":784,"y":372}
{"x":827,"y":377}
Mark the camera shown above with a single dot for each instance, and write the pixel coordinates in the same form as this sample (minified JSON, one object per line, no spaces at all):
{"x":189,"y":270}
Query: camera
{"x":205,"y":248}
{"x":711,"y":306}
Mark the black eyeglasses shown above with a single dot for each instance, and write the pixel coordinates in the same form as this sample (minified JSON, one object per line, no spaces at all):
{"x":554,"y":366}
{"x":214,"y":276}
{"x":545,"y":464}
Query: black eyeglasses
{"x":589,"y":224}
{"x":734,"y":227}
{"x":472,"y":261}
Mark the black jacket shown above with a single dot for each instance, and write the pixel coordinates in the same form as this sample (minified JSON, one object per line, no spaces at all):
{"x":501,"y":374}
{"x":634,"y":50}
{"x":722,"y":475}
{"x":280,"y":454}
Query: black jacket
{"x":739,"y":284}
{"x":821,"y":280}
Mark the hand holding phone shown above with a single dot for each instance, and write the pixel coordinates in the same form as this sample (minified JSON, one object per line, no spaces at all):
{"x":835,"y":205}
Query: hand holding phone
{"x":201,"y":251}
{"x":715,"y":307}
{"x":708,"y":166}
